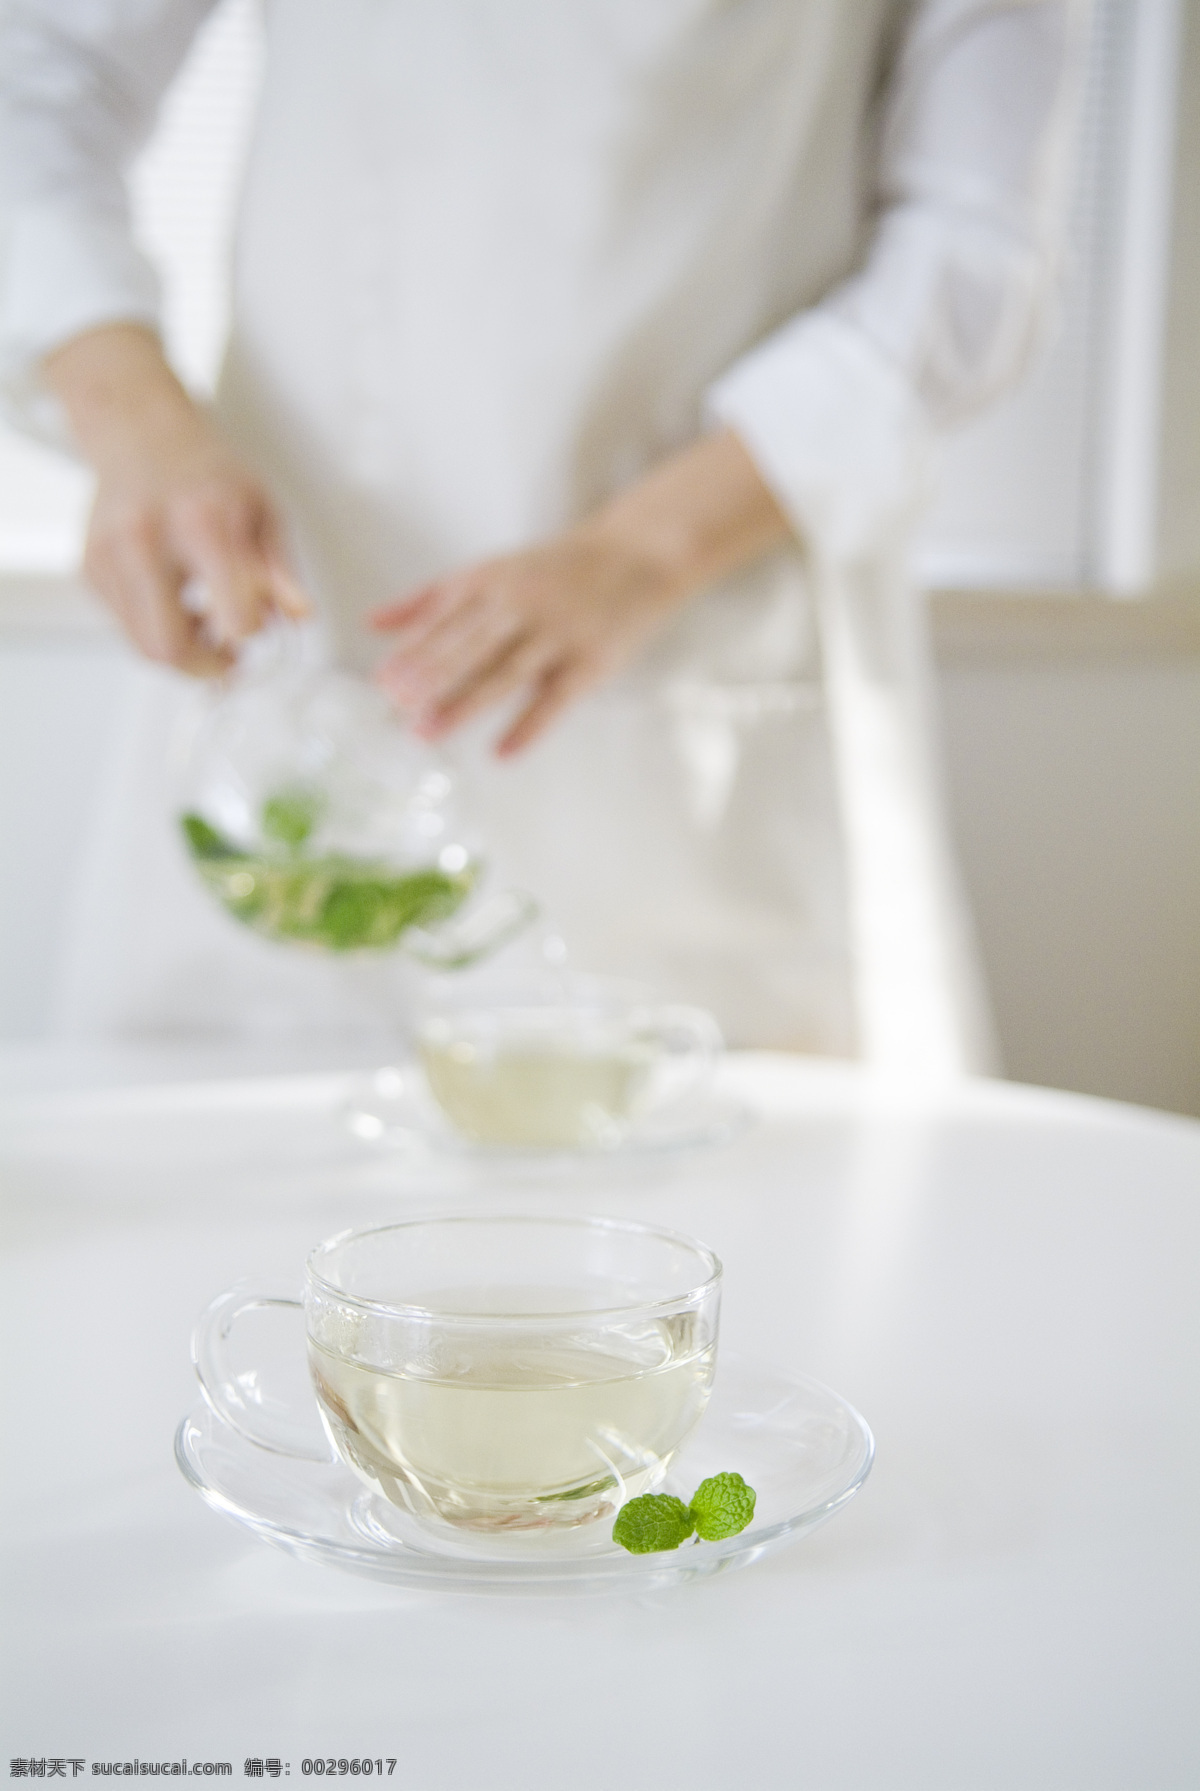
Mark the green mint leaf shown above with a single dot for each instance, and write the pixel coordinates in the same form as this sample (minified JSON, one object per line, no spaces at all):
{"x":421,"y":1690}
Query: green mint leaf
{"x":374,"y":912}
{"x":203,"y":841}
{"x":722,"y":1506}
{"x":290,"y":816}
{"x":336,"y":903}
{"x":652,"y":1522}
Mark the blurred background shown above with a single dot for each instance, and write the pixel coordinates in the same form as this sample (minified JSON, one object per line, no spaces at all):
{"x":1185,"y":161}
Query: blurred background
{"x":1062,"y":557}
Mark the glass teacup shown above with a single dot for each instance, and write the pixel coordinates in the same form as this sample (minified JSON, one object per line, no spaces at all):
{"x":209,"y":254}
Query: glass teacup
{"x":495,"y":1374}
{"x":569,"y":1064}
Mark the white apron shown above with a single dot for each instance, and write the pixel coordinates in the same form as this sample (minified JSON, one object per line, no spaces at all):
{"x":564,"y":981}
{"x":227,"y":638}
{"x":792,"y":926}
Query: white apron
{"x":490,"y":258}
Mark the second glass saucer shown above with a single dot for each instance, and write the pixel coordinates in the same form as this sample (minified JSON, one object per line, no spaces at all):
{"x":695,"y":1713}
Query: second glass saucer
{"x":393,"y":1107}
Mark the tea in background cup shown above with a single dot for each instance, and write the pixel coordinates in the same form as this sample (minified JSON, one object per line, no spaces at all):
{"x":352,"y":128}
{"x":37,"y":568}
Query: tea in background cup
{"x":568,"y":1065}
{"x":498,"y":1374}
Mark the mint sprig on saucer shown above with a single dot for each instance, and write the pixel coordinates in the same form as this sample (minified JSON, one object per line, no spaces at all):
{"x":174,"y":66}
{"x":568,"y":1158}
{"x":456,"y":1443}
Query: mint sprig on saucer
{"x":721,"y":1506}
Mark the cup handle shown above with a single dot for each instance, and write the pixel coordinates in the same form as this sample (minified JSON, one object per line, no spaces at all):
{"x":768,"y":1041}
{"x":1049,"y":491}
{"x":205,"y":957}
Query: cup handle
{"x":693,"y":1046}
{"x":237,"y":1392}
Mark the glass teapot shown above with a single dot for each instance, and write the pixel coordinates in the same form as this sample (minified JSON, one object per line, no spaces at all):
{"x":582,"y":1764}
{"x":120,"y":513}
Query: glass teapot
{"x":314,"y":818}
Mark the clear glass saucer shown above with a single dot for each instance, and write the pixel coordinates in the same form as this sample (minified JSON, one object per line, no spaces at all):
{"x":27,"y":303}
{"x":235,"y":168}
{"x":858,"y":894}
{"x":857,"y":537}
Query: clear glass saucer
{"x":804,"y":1450}
{"x":393,"y":1107}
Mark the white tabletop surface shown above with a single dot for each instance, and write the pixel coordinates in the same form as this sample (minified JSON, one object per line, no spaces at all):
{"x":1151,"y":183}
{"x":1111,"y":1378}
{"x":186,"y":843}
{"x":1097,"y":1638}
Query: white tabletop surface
{"x":1003,"y":1281}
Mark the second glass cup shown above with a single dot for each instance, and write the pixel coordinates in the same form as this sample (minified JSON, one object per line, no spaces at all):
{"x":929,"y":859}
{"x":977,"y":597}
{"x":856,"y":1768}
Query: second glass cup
{"x":568,"y":1064}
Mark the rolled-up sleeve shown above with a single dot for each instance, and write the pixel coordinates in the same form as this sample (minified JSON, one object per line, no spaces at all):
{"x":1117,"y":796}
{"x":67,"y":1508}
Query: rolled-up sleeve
{"x":80,"y":82}
{"x":838,"y":407}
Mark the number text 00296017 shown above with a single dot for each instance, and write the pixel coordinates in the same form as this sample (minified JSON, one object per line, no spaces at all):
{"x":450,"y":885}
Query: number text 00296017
{"x":337,"y":1767}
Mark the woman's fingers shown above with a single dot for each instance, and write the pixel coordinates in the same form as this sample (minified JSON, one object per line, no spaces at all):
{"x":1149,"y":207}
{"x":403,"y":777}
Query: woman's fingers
{"x":290,"y":597}
{"x":216,"y":537}
{"x":515,"y":667}
{"x":197,"y":654}
{"x":558,"y":688}
{"x":143,"y":586}
{"x":461,"y":647}
{"x":141,"y":560}
{"x":418,"y":608}
{"x":579,"y":604}
{"x":174,"y":504}
{"x":220,"y":534}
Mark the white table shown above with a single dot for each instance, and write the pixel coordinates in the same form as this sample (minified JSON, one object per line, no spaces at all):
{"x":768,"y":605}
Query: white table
{"x":1003,"y":1281}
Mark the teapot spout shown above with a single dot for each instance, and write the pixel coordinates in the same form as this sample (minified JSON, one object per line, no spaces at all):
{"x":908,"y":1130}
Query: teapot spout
{"x":475,"y":933}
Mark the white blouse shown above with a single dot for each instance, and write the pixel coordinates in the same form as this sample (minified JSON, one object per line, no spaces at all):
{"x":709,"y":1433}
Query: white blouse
{"x":953,"y":289}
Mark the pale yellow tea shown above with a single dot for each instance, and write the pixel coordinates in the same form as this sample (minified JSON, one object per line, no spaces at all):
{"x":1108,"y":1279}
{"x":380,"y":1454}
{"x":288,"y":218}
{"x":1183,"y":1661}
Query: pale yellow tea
{"x":517,"y":1436}
{"x":536,"y":1094}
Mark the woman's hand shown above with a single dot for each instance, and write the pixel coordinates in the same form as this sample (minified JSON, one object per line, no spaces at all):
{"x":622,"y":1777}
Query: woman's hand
{"x":549,"y":621}
{"x":554,"y":619}
{"x":176,"y":514}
